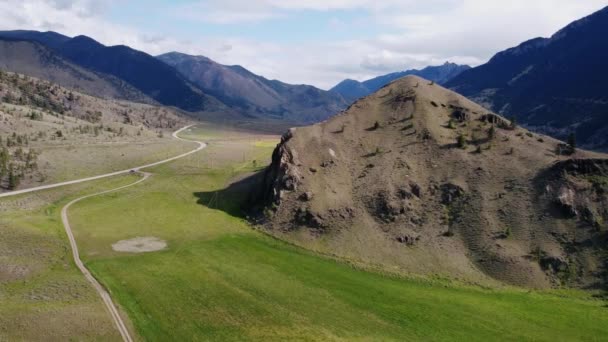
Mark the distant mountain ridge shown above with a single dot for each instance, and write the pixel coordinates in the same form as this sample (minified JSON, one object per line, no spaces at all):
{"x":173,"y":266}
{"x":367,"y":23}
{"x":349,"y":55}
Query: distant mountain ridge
{"x":195,"y":84}
{"x":352,"y":90}
{"x":553,"y":85}
{"x":36,"y":60}
{"x":254,"y":94}
{"x":140,"y":70}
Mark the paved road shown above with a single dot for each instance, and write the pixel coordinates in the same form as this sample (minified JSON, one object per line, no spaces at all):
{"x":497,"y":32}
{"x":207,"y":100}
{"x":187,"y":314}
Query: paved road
{"x":82,"y":180}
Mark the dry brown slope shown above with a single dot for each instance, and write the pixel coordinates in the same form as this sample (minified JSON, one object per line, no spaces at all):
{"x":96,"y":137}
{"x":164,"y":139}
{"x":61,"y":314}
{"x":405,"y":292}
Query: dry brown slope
{"x":53,"y":134}
{"x":386,"y":183}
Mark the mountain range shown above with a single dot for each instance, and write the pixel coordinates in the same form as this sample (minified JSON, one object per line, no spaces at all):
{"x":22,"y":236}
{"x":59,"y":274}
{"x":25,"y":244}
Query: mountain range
{"x":352,"y":89}
{"x":139,"y":70}
{"x":241,"y":89}
{"x":192,"y":83}
{"x":556,"y":85}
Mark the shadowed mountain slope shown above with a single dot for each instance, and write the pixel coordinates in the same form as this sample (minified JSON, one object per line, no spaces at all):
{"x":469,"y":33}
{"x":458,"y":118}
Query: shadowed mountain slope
{"x":36,"y":60}
{"x":143,"y":72}
{"x":553,"y":85}
{"x":256,"y":95}
{"x":352,"y":90}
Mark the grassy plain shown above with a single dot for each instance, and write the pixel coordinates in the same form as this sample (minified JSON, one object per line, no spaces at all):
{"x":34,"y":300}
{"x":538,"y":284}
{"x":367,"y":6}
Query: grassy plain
{"x":221,"y":280}
{"x":42,"y":294}
{"x":61,"y":163}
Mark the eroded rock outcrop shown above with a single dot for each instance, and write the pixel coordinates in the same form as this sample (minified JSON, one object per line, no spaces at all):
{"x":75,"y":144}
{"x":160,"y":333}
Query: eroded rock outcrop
{"x":385,"y":183}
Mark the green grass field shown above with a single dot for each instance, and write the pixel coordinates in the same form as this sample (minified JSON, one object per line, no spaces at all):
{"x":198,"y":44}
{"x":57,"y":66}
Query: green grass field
{"x":221,"y":280}
{"x":43,"y":297}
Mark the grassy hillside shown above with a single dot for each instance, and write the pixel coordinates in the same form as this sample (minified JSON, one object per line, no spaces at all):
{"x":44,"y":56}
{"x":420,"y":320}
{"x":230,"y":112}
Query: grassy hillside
{"x":53,"y":134}
{"x":220,"y":280}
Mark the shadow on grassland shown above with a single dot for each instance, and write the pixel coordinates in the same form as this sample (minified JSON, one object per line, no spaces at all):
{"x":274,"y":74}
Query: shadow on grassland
{"x":237,"y":199}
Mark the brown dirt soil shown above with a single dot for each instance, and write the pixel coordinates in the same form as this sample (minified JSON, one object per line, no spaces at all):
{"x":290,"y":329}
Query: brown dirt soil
{"x":140,"y":245}
{"x":389,"y":182}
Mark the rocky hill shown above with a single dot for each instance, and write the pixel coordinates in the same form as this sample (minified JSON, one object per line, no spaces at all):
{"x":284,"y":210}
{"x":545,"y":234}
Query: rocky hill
{"x":255,"y":95}
{"x":352,"y":90}
{"x":420,"y":179}
{"x":553,"y":85}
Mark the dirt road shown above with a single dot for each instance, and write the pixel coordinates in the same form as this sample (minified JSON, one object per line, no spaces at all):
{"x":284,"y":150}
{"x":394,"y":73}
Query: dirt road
{"x":105,"y":296}
{"x":88,"y":179}
{"x":103,"y":293}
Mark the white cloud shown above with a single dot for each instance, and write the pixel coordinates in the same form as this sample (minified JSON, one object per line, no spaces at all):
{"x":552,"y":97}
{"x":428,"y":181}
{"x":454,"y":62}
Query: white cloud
{"x":418,"y":34}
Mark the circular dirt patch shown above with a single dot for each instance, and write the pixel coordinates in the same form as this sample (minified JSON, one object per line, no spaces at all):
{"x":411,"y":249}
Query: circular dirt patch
{"x":140,"y":245}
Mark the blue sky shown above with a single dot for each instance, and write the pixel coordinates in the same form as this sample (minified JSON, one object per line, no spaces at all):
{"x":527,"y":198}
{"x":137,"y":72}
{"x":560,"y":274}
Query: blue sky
{"x":284,"y":28}
{"x":317,"y":42}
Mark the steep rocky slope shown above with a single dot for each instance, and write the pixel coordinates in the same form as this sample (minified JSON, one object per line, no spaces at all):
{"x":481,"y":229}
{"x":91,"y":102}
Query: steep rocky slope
{"x":420,"y":179}
{"x":553,"y":85}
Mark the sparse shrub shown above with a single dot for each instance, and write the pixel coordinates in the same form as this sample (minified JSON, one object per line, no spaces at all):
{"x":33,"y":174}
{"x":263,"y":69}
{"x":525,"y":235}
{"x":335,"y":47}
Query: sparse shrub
{"x":491,"y":133}
{"x":461,"y":141}
{"x":426,"y":135}
{"x":451,"y":124}
{"x":507,"y":233}
{"x":268,"y":213}
{"x":478,"y":150}
{"x":408,"y":127}
{"x":36,"y":116}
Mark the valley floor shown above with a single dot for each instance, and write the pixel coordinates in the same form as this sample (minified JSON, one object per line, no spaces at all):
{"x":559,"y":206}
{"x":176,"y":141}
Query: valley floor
{"x":219,"y":279}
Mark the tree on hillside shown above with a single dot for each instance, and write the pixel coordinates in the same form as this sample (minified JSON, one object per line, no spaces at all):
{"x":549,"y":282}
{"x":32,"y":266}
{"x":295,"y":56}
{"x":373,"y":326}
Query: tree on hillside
{"x":513,"y":122}
{"x":491,"y":133}
{"x":13,"y":178}
{"x":461,"y":141}
{"x":572,"y":142}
